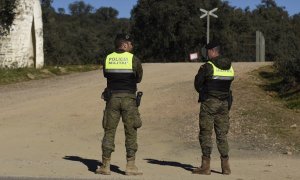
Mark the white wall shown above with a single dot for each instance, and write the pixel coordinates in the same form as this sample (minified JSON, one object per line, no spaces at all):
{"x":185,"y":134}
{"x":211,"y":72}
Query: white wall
{"x":23,"y":47}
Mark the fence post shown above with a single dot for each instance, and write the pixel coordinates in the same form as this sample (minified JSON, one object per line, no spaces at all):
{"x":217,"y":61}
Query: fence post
{"x":260,"y":47}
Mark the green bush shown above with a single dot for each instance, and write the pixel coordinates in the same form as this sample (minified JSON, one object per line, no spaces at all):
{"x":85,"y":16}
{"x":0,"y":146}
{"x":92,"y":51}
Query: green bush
{"x":8,"y":76}
{"x":289,"y":69}
{"x":286,"y":89}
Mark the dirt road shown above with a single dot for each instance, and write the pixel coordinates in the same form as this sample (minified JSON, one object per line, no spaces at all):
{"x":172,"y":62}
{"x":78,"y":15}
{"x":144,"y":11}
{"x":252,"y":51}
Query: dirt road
{"x":52,"y":128}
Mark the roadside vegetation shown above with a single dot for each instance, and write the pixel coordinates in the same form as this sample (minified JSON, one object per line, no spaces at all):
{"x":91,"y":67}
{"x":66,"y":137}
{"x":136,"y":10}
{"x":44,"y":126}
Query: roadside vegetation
{"x":9,"y":76}
{"x":285,"y":127}
{"x":280,"y":88}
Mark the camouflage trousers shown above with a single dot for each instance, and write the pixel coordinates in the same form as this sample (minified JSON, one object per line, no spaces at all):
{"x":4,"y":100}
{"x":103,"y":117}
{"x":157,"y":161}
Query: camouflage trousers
{"x":214,"y":115}
{"x":121,"y":105}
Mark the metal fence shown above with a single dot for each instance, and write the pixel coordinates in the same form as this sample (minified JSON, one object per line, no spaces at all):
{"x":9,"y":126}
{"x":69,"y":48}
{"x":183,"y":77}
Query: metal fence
{"x":247,"y":48}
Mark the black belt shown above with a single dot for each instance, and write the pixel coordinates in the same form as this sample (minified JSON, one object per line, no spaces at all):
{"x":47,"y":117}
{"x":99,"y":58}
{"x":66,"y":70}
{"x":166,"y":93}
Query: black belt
{"x":122,"y":91}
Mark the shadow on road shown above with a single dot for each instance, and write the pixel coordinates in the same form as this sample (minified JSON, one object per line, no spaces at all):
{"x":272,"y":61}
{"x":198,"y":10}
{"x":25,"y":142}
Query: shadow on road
{"x":217,"y":172}
{"x":187,"y":167}
{"x":93,"y":164}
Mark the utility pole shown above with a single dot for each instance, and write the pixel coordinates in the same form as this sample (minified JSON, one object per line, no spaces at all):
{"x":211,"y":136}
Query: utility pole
{"x":208,"y":13}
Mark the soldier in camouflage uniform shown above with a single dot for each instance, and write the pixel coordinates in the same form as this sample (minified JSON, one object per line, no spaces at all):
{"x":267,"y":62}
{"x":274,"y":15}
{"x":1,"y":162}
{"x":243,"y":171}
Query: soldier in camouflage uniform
{"x":123,"y":71}
{"x":213,"y":83}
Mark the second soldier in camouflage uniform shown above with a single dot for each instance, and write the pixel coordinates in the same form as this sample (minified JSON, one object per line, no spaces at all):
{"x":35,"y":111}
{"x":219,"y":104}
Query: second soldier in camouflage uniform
{"x":123,"y":71}
{"x":213,"y":83}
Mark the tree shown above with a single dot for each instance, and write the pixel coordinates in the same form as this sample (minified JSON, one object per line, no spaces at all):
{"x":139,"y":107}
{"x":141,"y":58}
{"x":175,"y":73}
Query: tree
{"x":7,"y":15}
{"x":166,"y":30}
{"x":289,"y":64}
{"x":82,"y":37}
{"x":61,"y":11}
{"x":106,"y":13}
{"x":80,"y":8}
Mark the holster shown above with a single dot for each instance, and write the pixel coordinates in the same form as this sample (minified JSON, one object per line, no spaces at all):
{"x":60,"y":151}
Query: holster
{"x":139,"y":98}
{"x":106,"y":95}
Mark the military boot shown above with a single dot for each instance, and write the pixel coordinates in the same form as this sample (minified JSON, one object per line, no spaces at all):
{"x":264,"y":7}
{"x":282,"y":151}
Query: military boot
{"x":105,"y":168}
{"x":131,"y":169}
{"x":204,"y":168}
{"x":225,"y":165}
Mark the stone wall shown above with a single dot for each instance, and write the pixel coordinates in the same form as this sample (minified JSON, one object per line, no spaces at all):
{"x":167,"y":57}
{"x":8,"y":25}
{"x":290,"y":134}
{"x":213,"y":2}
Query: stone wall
{"x":23,"y":47}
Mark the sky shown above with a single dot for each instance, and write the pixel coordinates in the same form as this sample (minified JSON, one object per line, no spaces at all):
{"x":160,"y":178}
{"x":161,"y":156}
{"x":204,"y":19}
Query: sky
{"x":124,"y":6}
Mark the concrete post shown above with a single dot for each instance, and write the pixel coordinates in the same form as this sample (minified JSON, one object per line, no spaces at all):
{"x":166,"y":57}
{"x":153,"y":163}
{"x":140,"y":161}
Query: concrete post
{"x":260,"y":47}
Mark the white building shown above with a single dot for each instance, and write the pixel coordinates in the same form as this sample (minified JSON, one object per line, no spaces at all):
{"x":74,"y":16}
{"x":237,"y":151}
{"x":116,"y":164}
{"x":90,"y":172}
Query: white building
{"x":23,"y":46}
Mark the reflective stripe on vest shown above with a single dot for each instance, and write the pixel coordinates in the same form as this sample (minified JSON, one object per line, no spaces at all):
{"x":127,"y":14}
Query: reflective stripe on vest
{"x":119,"y":63}
{"x":221,"y":74}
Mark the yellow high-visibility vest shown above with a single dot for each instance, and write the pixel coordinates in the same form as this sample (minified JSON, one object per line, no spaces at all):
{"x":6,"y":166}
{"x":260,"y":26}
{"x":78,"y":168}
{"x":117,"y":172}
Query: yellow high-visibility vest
{"x":222,"y":74}
{"x":119,"y":63}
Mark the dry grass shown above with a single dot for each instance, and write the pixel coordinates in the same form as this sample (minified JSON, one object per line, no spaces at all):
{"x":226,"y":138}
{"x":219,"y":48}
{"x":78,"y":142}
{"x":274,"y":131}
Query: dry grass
{"x":9,"y":76}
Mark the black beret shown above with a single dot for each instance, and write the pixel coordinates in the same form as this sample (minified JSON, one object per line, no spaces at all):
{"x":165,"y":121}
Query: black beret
{"x":212,"y":45}
{"x":123,"y":37}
